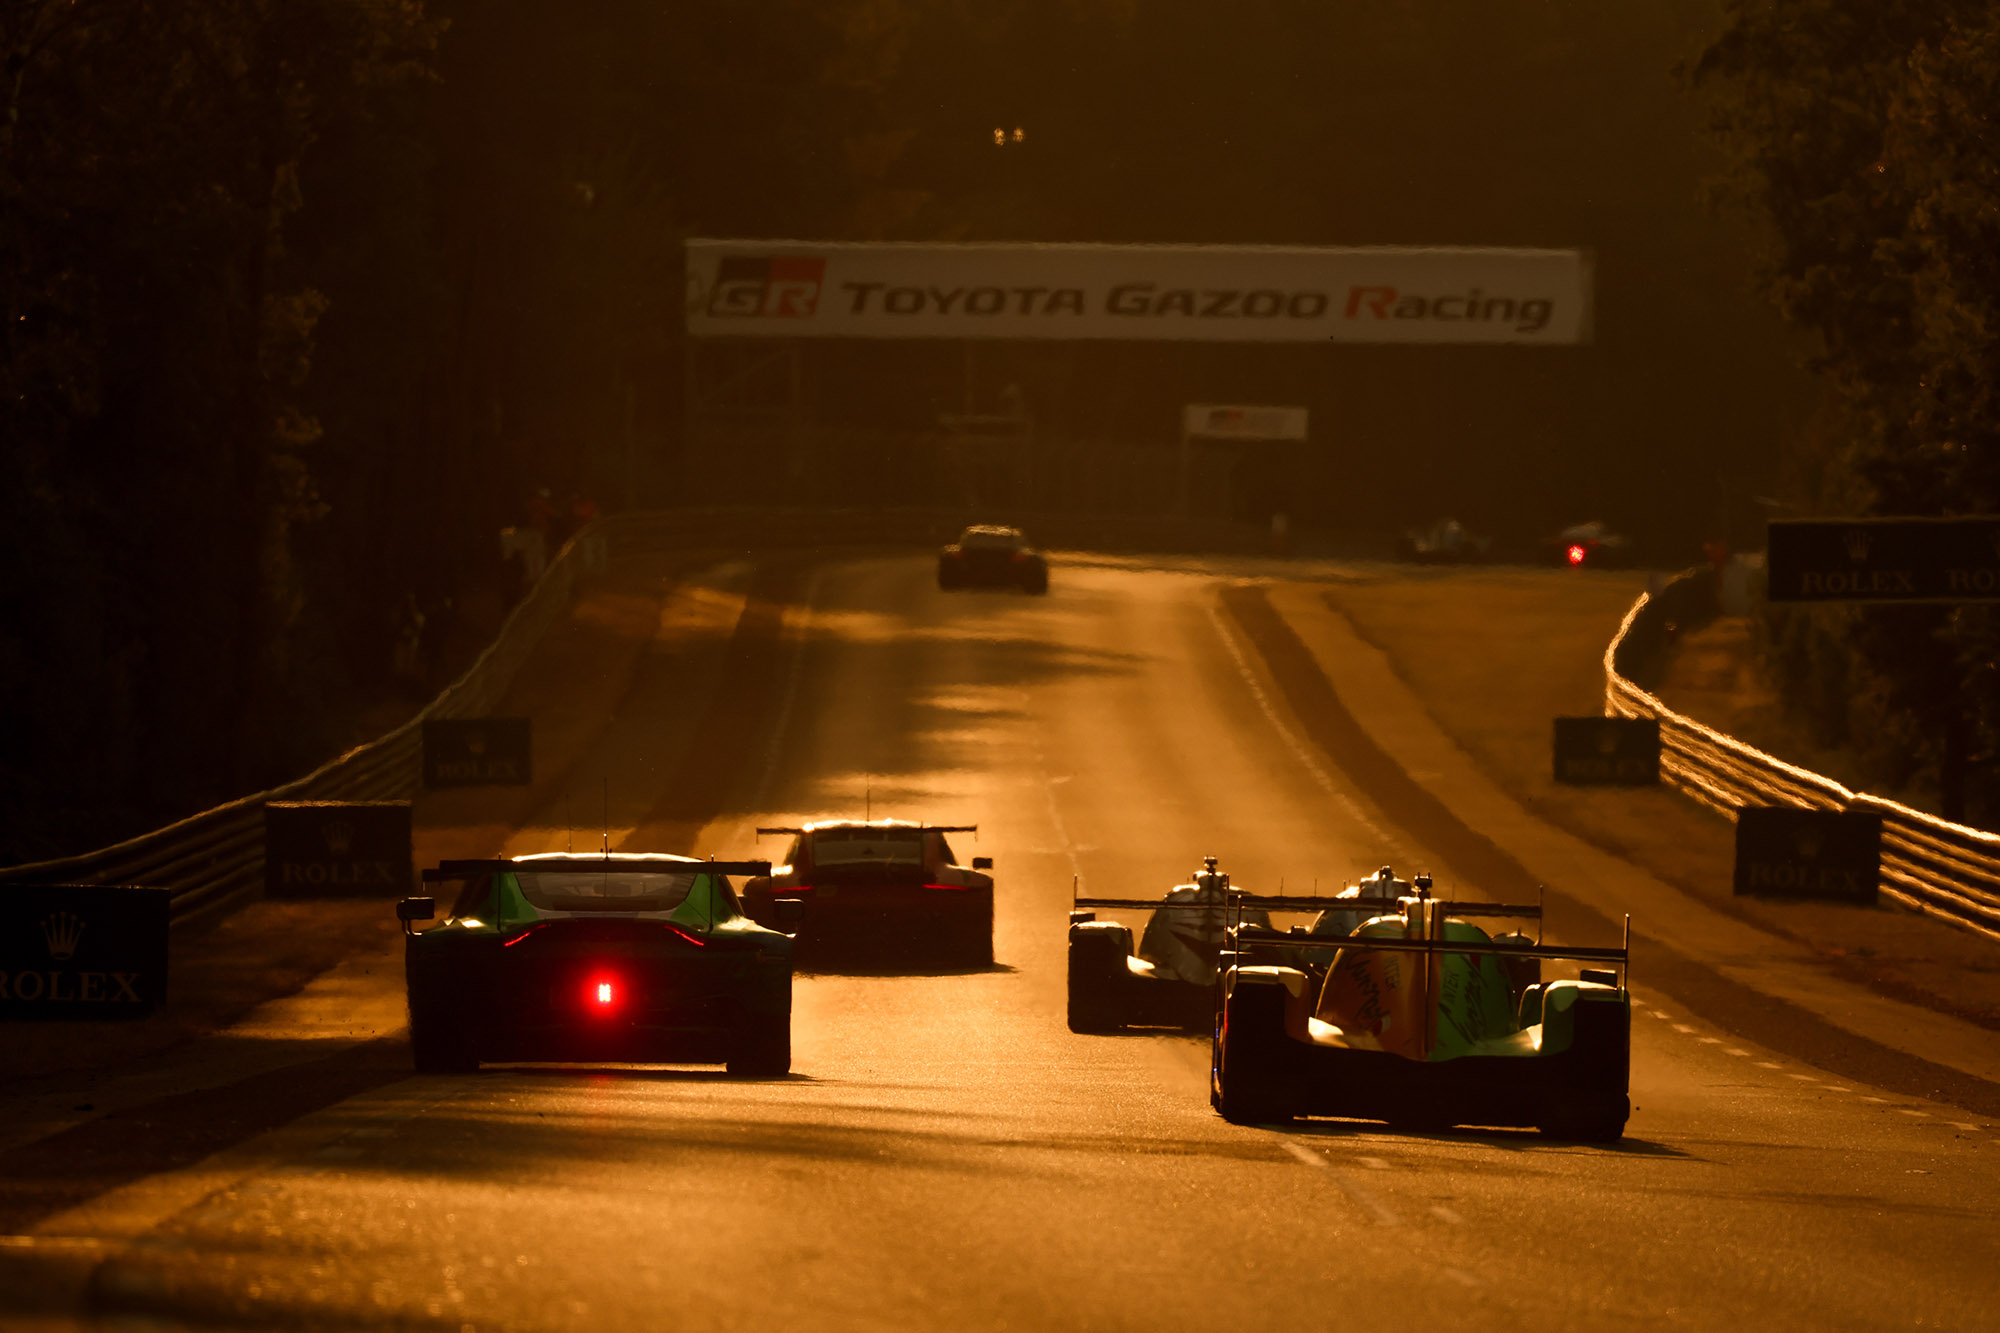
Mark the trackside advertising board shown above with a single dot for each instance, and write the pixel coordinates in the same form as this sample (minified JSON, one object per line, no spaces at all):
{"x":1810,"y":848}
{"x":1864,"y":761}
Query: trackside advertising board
{"x":337,"y":849}
{"x":1608,"y":751}
{"x":477,"y":752}
{"x":1784,"y":852}
{"x":1195,"y":293}
{"x":82,"y":951}
{"x":1885,"y":559}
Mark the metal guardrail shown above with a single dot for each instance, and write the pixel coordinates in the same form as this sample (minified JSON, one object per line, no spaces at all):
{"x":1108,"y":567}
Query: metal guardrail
{"x":214,"y":861}
{"x":1928,"y":863}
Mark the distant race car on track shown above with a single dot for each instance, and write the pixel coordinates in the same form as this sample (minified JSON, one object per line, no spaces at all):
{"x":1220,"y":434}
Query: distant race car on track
{"x":1445,"y":542}
{"x":1421,"y":1018}
{"x":880,"y":890}
{"x":1169,"y":979}
{"x":644,"y":959}
{"x":1592,"y":545}
{"x":989,"y":557}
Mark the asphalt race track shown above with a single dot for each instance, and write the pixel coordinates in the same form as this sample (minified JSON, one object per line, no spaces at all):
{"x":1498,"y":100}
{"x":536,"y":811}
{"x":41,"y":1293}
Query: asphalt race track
{"x":946,"y":1154}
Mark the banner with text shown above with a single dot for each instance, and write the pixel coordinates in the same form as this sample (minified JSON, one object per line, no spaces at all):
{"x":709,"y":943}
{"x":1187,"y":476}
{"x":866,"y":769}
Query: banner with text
{"x":1195,"y":293}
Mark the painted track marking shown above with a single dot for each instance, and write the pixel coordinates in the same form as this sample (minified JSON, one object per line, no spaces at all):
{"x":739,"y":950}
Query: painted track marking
{"x":1299,"y":748}
{"x":1360,"y":1197}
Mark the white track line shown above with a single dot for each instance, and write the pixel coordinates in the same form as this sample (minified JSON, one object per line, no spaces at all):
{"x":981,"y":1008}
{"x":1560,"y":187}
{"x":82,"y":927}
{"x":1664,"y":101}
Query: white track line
{"x":1298,"y":747}
{"x":1055,"y":817}
{"x":1361,"y":1198}
{"x":799,"y":630}
{"x":1305,"y":1154}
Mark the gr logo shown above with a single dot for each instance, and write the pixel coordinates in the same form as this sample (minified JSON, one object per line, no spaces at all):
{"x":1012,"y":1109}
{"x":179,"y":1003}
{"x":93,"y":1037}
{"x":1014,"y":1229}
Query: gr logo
{"x":766,"y":286}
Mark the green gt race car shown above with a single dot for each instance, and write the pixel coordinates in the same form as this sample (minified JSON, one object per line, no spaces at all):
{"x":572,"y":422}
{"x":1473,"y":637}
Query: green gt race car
{"x":620,"y":958}
{"x":1422,"y":1018}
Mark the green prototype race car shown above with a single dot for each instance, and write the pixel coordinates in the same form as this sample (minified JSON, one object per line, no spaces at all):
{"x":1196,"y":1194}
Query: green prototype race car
{"x":646,"y":959}
{"x":1170,"y":979}
{"x":1421,"y":1018}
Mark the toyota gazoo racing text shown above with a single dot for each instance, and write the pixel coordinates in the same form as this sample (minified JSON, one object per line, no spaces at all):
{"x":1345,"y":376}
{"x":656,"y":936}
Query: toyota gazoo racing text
{"x":615,"y":958}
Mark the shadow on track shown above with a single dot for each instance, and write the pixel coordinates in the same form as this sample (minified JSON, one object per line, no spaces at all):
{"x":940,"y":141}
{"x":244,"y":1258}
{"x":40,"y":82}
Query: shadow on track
{"x":1510,"y":1140}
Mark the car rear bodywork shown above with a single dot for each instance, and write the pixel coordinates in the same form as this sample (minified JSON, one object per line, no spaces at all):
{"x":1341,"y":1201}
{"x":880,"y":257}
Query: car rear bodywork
{"x":876,"y":905}
{"x":1423,"y":1019}
{"x":1168,"y":979}
{"x":990,"y":557}
{"x":501,"y":980}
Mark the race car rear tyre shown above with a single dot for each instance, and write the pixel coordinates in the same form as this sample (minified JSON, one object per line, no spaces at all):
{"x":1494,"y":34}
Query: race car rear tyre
{"x":763,"y":1049}
{"x":1244,"y":1086}
{"x":1096,"y":970}
{"x":1589,"y":1124}
{"x":437,"y":1045}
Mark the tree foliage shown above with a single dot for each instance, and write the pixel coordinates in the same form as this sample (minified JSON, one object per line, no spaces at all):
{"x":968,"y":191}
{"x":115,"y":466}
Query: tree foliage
{"x":1863,"y":131}
{"x":304,"y":299}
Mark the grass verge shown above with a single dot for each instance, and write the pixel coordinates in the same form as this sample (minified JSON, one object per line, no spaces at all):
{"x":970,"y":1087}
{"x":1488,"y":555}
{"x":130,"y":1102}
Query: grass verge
{"x":1496,"y":654}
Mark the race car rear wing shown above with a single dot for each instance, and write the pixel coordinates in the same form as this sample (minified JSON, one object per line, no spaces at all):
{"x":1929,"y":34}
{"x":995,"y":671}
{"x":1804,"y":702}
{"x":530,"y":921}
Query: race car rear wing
{"x":1240,"y":899}
{"x":782,"y":829}
{"x":1240,"y":935}
{"x":450,"y":870}
{"x":1265,"y":935}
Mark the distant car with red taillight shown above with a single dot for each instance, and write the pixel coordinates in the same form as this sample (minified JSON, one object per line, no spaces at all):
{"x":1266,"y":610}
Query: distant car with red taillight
{"x":1590,"y":545}
{"x":880,"y":892}
{"x":992,"y":557}
{"x":621,"y":958}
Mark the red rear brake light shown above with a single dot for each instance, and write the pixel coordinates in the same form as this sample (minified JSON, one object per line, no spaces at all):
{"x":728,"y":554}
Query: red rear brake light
{"x":603,"y":994}
{"x":1576,"y":554}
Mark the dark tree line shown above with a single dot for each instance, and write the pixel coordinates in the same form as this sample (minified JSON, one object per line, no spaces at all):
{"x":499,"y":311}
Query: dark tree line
{"x":1865,"y":132}
{"x":304,"y":299}
{"x":301,"y":299}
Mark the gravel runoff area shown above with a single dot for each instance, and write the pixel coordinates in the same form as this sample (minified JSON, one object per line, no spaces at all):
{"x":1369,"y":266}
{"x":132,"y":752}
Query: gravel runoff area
{"x":1496,"y":653}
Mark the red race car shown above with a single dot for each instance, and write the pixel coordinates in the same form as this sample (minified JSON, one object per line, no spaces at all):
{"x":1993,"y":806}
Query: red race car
{"x":992,"y":557}
{"x":880,"y":890}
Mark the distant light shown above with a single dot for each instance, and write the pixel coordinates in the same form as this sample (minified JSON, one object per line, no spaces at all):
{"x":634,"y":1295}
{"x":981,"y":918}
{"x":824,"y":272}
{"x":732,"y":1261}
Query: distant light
{"x":1576,"y":554}
{"x":999,"y":137}
{"x":1019,"y":134}
{"x":604,"y":992}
